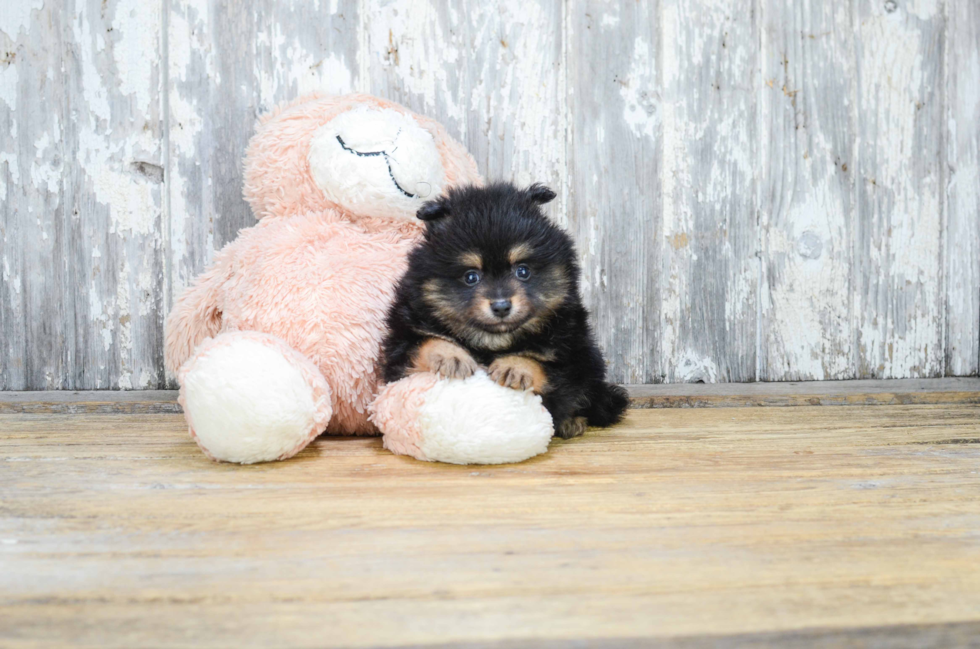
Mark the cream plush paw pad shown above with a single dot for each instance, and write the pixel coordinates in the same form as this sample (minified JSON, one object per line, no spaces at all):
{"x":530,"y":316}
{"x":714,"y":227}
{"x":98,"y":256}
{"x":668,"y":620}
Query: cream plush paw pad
{"x":473,"y":421}
{"x":249,"y":398}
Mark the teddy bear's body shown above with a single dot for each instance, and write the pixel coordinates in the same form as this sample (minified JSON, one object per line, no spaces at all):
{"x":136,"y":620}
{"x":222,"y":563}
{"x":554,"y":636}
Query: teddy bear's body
{"x":279,"y":340}
{"x":320,"y":283}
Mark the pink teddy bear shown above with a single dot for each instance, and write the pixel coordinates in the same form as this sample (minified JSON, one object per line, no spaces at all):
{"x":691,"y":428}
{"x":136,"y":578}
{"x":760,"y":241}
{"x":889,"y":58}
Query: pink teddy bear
{"x":279,"y":340}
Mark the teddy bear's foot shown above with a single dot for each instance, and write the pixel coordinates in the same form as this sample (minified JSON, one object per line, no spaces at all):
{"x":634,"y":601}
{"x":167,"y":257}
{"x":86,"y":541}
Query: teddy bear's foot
{"x":249,"y":397}
{"x":471,"y":421}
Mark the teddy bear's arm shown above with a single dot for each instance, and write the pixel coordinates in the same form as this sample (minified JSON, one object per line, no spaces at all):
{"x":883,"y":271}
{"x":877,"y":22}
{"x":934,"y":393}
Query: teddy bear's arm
{"x":196,"y":315}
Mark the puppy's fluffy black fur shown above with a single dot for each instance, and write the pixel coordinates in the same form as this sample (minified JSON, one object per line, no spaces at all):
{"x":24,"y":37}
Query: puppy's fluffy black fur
{"x":495,"y":284}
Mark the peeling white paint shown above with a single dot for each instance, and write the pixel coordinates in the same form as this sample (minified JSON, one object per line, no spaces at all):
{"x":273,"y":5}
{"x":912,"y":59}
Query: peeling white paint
{"x":104,"y":156}
{"x":98,"y":318}
{"x":640,"y":110}
{"x":124,"y":324}
{"x":962,"y":252}
{"x":329,"y":75}
{"x":305,"y":70}
{"x":146,"y":286}
{"x":135,"y":47}
{"x":47,"y":168}
{"x":518,"y":76}
{"x":407,"y":39}
{"x":12,"y":280}
{"x":12,"y":169}
{"x":923,"y":9}
{"x":93,"y":90}
{"x":690,"y":367}
{"x":806,"y":323}
{"x":902,"y":205}
{"x":190,"y":43}
{"x":676,"y":219}
{"x":709,"y":287}
{"x":15,"y":16}
{"x":812,"y":285}
{"x":146,"y":379}
{"x":187,"y":125}
{"x":609,"y":20}
{"x":8,"y":85}
{"x":495,"y":74}
{"x":133,"y":208}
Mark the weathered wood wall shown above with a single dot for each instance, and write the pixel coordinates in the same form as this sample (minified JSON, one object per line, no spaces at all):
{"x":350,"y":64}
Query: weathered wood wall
{"x":764,"y":190}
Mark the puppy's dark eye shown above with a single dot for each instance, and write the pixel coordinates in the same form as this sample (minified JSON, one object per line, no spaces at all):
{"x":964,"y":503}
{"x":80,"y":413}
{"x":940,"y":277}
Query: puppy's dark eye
{"x":471,"y":278}
{"x":522,"y":272}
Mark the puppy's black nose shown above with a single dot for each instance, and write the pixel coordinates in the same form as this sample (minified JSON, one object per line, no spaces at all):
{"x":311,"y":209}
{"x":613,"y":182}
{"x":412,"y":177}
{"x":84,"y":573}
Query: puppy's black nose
{"x":500,"y":308}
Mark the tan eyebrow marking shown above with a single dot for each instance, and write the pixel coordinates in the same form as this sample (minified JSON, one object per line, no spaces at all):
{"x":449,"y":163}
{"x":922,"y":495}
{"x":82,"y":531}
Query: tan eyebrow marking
{"x":471,"y":259}
{"x":519,"y":252}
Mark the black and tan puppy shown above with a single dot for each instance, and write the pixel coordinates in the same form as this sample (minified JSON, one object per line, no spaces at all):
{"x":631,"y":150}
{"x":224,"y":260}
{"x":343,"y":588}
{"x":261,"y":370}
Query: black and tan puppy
{"x":495,"y":284}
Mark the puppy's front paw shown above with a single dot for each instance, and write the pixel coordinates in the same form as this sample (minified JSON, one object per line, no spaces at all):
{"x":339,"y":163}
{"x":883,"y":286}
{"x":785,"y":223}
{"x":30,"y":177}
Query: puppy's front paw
{"x":518,"y":373}
{"x":456,"y":366}
{"x":571,"y":427}
{"x":445,"y":359}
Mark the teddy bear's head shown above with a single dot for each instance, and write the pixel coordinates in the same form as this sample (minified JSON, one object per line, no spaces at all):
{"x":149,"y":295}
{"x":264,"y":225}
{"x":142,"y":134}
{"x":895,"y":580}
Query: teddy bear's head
{"x":358,"y":154}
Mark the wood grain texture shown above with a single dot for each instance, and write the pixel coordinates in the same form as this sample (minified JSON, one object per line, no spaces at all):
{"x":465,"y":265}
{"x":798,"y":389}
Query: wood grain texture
{"x":962,"y":69}
{"x":228,"y":64}
{"x":615,"y":134}
{"x":116,"y":531}
{"x":83,"y":264}
{"x":36,"y":324}
{"x":898,"y":298}
{"x":491,"y":72}
{"x":113,"y":179}
{"x":760,"y":190}
{"x":710,"y":270}
{"x":807,"y":212}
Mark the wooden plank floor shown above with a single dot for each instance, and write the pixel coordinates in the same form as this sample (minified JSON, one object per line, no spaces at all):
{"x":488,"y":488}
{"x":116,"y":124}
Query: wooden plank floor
{"x":807,"y":526}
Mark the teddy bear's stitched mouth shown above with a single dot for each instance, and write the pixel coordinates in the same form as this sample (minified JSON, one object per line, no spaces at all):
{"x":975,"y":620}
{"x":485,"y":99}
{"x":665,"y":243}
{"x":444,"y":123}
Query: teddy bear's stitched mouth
{"x":371,"y":154}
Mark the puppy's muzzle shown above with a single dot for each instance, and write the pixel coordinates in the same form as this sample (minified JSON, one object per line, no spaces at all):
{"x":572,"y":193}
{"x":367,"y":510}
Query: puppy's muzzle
{"x":500,"y":308}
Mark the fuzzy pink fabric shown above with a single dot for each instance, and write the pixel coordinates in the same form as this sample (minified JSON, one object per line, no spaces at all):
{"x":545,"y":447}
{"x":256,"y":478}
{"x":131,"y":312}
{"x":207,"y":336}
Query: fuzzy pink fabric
{"x":321,"y":391}
{"x":319,"y":283}
{"x":396,"y":411}
{"x":316,"y":276}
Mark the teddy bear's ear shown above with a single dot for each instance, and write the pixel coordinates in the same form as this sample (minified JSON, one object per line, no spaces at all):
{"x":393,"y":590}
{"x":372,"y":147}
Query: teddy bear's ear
{"x":539,"y":194}
{"x":433,"y":210}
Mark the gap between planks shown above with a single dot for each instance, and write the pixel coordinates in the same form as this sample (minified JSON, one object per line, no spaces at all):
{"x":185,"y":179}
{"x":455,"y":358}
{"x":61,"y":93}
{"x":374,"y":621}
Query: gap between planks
{"x":953,"y":390}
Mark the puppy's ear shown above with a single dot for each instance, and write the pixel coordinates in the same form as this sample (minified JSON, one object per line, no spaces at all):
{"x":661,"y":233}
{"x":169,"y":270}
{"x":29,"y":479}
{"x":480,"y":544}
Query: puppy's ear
{"x":433,"y":210}
{"x":539,"y":194}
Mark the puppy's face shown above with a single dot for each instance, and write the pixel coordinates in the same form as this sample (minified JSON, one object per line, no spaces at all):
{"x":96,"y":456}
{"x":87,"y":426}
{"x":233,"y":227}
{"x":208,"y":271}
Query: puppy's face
{"x":485,"y":292}
{"x":497,"y":268}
